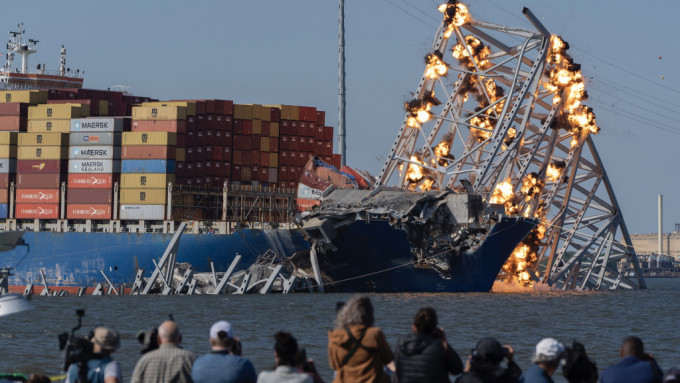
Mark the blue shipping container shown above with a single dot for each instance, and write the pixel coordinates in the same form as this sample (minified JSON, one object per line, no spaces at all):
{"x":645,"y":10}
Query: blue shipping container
{"x":3,"y":210}
{"x":148,"y":166}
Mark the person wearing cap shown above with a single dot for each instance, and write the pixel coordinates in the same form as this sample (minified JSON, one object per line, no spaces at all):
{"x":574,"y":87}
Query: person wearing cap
{"x":425,"y":354}
{"x":547,"y":358}
{"x":484,"y":364}
{"x":223,"y":364}
{"x":101,"y":367}
{"x":169,"y":362}
{"x":635,"y":365}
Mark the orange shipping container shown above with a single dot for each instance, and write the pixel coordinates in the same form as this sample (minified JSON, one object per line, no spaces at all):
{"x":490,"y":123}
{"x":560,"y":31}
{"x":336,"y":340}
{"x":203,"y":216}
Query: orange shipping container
{"x":86,"y":211}
{"x":175,"y":126}
{"x":90,"y":181}
{"x":38,"y":195}
{"x":13,"y":123}
{"x":4,"y":195}
{"x":37,"y":210}
{"x":148,"y":152}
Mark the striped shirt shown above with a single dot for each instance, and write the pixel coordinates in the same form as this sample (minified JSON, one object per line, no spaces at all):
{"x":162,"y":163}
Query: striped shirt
{"x":168,"y":364}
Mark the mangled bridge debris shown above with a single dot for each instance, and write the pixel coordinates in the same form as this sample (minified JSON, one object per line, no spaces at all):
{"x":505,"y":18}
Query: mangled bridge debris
{"x":502,"y":109}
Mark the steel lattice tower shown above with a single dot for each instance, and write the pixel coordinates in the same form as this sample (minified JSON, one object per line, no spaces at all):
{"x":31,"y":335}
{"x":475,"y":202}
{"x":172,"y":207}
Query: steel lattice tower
{"x":498,"y":112}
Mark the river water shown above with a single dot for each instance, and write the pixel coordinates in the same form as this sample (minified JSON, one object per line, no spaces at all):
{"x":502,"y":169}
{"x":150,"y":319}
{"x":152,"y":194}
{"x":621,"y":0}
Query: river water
{"x":28,"y":341}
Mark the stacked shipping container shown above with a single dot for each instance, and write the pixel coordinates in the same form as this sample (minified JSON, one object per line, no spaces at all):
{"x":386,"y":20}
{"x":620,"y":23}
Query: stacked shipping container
{"x":8,"y":153}
{"x":94,"y":166}
{"x":148,"y":163}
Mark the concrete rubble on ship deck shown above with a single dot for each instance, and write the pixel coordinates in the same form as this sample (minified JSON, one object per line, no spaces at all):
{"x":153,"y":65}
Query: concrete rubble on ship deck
{"x":433,"y":221}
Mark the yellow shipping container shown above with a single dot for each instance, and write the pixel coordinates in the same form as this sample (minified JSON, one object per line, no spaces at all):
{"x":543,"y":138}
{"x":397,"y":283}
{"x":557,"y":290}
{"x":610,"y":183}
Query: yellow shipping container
{"x":8,"y":138}
{"x":273,"y":160}
{"x":264,"y":144}
{"x":263,"y":113}
{"x":149,"y":138}
{"x":103,"y":108}
{"x":243,"y":112}
{"x":57,"y":126}
{"x":190,"y":105}
{"x":273,"y":129}
{"x":8,"y":151}
{"x":42,"y":152}
{"x":288,"y":112}
{"x":43,"y":139}
{"x":257,"y":127}
{"x":26,"y":96}
{"x":180,"y":154}
{"x":58,"y":111}
{"x":148,"y":180}
{"x":159,"y":113}
{"x":143,"y":196}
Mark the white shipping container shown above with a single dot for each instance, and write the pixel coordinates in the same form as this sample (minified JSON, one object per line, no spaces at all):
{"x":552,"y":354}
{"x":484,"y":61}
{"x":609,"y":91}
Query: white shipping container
{"x":94,"y":138}
{"x":8,"y":165}
{"x":107,"y":124}
{"x":146,"y":212}
{"x":94,"y":166}
{"x":94,"y":152}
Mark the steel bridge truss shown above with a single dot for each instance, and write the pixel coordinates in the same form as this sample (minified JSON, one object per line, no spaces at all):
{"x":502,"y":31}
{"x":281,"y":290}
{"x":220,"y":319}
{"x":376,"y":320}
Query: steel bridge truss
{"x":586,"y":244}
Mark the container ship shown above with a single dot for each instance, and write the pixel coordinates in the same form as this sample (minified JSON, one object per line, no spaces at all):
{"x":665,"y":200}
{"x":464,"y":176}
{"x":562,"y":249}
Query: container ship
{"x":99,"y":180}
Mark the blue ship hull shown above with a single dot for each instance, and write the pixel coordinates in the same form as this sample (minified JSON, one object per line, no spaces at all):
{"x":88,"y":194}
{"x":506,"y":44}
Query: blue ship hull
{"x":75,"y":259}
{"x":370,"y":257}
{"x":382,"y":256}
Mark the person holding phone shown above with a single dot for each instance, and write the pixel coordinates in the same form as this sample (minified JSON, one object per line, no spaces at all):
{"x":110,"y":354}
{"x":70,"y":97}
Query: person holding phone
{"x":425,"y":355}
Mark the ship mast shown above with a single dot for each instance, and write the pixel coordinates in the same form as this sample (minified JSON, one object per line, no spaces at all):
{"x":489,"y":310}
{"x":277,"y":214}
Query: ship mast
{"x":16,"y":45}
{"x":341,"y":83}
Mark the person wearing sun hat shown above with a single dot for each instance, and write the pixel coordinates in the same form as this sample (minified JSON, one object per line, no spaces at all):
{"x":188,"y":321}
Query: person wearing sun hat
{"x":223,"y":364}
{"x":101,"y":367}
{"x":547,"y":358}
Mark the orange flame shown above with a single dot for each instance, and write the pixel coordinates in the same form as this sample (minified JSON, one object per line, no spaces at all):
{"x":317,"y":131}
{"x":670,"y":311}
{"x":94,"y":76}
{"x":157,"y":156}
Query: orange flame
{"x":455,"y":15}
{"x":435,"y":67}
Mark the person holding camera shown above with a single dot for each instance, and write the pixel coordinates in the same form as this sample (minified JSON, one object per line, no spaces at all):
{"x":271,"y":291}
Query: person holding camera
{"x":484,"y":364}
{"x":100,"y":367}
{"x":635,"y":365}
{"x":224,"y":363}
{"x":425,"y":354}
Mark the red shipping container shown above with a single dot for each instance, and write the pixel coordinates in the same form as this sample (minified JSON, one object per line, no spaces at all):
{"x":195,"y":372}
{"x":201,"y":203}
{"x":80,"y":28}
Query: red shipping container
{"x":198,"y":169}
{"x":336,"y":161}
{"x":295,"y":143}
{"x":285,"y":142}
{"x":180,"y":172}
{"x":328,"y":133}
{"x":275,"y":115}
{"x":5,"y":180}
{"x":264,"y":159}
{"x":200,"y":153}
{"x":189,"y":154}
{"x":255,"y":142}
{"x":88,"y":211}
{"x":200,"y":122}
{"x":208,"y":168}
{"x":228,"y":123}
{"x":273,"y":144}
{"x":89,"y":196}
{"x":237,"y":157}
{"x":14,"y":109}
{"x":150,"y":152}
{"x":92,"y":181}
{"x":219,"y":122}
{"x":311,"y":144}
{"x":42,"y":166}
{"x":209,"y":122}
{"x":266,"y":128}
{"x":35,"y":210}
{"x":228,"y":107}
{"x":247,"y":127}
{"x":176,"y":126}
{"x":13,"y":123}
{"x":236,"y":172}
{"x":209,"y":106}
{"x":294,"y":128}
{"x":200,"y":138}
{"x":181,"y":140}
{"x":264,"y":174}
{"x":254,"y":157}
{"x":190,"y":123}
{"x":320,"y":117}
{"x":38,"y":181}
{"x":37,"y":195}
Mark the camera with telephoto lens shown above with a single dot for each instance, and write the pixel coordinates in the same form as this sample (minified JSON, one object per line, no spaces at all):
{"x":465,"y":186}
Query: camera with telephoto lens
{"x":77,"y":349}
{"x":149,"y":339}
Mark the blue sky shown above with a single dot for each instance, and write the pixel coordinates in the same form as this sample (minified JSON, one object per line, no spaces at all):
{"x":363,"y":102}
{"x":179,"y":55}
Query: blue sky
{"x":286,"y":52}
